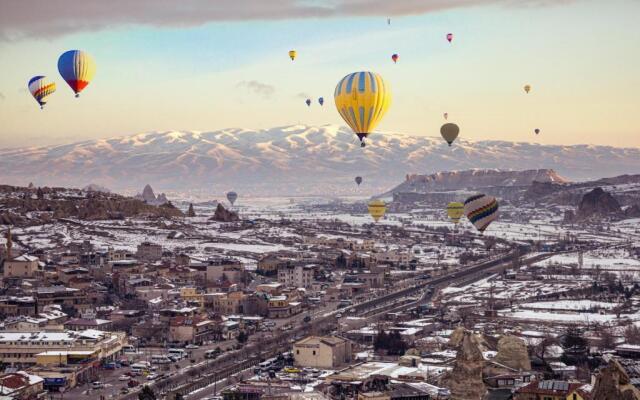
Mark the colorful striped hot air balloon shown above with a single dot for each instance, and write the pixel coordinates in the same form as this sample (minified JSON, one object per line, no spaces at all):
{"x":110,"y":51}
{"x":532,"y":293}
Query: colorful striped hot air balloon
{"x":41,"y":87}
{"x":362,"y":99}
{"x":481,"y":210}
{"x":455,"y":211}
{"x":377,"y":209}
{"x":77,"y":69}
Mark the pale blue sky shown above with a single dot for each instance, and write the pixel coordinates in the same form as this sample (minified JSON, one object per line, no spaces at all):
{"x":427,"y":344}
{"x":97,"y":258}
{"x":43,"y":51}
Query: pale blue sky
{"x":582,"y":59}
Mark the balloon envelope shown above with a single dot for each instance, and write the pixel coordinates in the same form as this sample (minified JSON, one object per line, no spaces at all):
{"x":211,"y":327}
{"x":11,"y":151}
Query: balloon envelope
{"x":321,"y":100}
{"x":449,"y":37}
{"x":292,"y":54}
{"x":536,"y":131}
{"x":394,"y":58}
{"x":481,"y":210}
{"x":362,"y":99}
{"x":446,"y":115}
{"x":358,"y":180}
{"x":232,"y":197}
{"x":377,"y":209}
{"x":77,"y":68}
{"x":449,"y":132}
{"x":308,"y":101}
{"x":455,"y":211}
{"x":40,"y":88}
{"x":527,"y":88}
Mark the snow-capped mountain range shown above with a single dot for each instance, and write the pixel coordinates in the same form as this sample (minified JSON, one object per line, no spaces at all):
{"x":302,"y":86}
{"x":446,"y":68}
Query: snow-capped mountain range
{"x":290,"y":160}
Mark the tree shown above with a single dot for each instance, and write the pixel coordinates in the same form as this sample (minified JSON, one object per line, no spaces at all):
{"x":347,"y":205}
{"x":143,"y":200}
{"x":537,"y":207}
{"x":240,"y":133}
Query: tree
{"x":541,"y":348}
{"x":242,"y":337}
{"x":146,"y":394}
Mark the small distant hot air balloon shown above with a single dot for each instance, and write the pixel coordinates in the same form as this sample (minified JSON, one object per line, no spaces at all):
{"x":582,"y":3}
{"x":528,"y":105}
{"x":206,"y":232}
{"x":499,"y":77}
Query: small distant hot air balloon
{"x":232,"y":197}
{"x":481,"y":210}
{"x":308,"y":101}
{"x":40,"y":88}
{"x":377,"y":209}
{"x":362,"y":99}
{"x":536,"y":131}
{"x":449,"y":132}
{"x":77,"y":69}
{"x":455,"y":211}
{"x":395,"y":57}
{"x":527,"y":88}
{"x":446,"y":116}
{"x":449,"y":37}
{"x":388,"y":21}
{"x":321,"y":100}
{"x":292,"y":54}
{"x":358,"y":180}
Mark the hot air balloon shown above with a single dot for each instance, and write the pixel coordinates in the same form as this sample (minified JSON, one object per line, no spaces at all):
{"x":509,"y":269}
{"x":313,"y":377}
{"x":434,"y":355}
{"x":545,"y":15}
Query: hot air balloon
{"x":536,"y":131}
{"x":292,"y":54}
{"x":232,"y":197}
{"x":358,"y":180}
{"x":481,"y":210}
{"x":449,"y":37}
{"x":362,"y":99}
{"x":308,"y":101}
{"x":388,"y":21}
{"x":377,"y":209}
{"x":449,"y":132}
{"x":455,"y":211}
{"x":77,"y":69}
{"x":40,"y":87}
{"x":446,"y":115}
{"x":321,"y":100}
{"x":527,"y":88}
{"x":395,"y":58}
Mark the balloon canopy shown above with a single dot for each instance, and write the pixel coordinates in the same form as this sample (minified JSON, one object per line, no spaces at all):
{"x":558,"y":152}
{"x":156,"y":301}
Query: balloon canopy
{"x":481,"y":210}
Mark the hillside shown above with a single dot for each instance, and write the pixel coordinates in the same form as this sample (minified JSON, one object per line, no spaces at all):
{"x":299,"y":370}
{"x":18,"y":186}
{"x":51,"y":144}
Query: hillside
{"x":290,"y":160}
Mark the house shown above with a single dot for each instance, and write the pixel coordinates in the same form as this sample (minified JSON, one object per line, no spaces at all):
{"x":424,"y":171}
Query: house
{"x":24,"y":266}
{"x":149,"y":252}
{"x":191,"y":329}
{"x":20,"y":385}
{"x":322,"y":352}
{"x":298,"y":276}
{"x":549,"y":390}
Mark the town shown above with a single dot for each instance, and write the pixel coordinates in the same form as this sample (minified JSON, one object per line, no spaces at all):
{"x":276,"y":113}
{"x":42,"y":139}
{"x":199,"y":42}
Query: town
{"x":303,"y":298}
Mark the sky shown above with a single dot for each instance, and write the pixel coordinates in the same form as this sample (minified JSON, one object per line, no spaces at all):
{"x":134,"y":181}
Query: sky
{"x":207,"y":65}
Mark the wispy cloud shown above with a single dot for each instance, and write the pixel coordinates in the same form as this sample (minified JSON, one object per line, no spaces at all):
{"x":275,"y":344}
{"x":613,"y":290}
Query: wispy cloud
{"x":2,"y":96}
{"x":302,"y":95}
{"x":37,"y":18}
{"x":261,"y":89}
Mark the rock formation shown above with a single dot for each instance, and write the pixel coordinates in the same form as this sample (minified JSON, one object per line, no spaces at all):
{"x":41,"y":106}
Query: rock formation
{"x":597,"y":204}
{"x":92,"y":187}
{"x":149,"y":197}
{"x":613,"y":383}
{"x":191,"y":212}
{"x":224,"y":215}
{"x":512,"y":352}
{"x":465,"y":380}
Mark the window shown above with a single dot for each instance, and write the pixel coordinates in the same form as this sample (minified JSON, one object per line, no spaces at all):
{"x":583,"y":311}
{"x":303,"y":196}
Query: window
{"x":314,"y":352}
{"x":297,"y":351}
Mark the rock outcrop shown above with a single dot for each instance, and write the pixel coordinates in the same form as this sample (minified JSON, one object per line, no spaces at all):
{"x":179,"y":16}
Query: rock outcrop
{"x":597,"y":204}
{"x":191,"y":212}
{"x":512,"y":352}
{"x":465,"y":380}
{"x":149,"y":197}
{"x":224,"y":215}
{"x":613,"y":383}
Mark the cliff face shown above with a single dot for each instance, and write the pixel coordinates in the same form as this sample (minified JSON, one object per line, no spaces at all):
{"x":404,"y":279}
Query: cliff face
{"x":465,"y":380}
{"x":613,"y":383}
{"x":597,"y":204}
{"x":512,"y":352}
{"x":224,"y":215}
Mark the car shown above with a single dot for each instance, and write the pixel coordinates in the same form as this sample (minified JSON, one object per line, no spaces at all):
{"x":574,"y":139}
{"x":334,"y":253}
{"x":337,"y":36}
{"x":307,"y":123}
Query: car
{"x":124,"y":378}
{"x":151,"y":377}
{"x":291,"y":370}
{"x":133,"y":383}
{"x":97,"y":385}
{"x":192,"y":346}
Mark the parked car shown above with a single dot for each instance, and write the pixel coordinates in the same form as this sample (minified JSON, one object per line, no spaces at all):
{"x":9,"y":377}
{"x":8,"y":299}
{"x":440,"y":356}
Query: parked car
{"x":97,"y":385}
{"x":151,"y":377}
{"x":124,"y":378}
{"x":191,"y":346}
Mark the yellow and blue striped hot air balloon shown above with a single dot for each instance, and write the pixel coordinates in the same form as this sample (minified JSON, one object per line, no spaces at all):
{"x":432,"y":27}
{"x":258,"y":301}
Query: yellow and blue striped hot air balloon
{"x":77,"y":69}
{"x":362,"y":99}
{"x":41,"y":87}
{"x":377,"y":209}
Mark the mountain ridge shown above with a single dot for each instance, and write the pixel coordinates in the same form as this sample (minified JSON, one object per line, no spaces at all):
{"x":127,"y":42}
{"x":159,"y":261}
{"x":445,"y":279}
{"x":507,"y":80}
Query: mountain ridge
{"x":291,"y":160}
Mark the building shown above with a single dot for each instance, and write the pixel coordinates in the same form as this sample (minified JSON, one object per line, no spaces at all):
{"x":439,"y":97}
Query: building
{"x":191,"y":330}
{"x":20,"y":385}
{"x":223,"y":269}
{"x":322,"y":352}
{"x":24,"y":266}
{"x":549,"y":390}
{"x":297,"y":276}
{"x":24,"y":347}
{"x":149,"y":252}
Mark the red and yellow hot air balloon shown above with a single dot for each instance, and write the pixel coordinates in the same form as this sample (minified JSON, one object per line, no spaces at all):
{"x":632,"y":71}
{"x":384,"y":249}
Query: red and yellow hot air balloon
{"x":77,"y":69}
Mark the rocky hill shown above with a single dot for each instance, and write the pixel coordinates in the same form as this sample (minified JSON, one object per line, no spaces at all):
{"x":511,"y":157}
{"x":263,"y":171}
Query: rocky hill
{"x":292,"y":160}
{"x":24,"y":206}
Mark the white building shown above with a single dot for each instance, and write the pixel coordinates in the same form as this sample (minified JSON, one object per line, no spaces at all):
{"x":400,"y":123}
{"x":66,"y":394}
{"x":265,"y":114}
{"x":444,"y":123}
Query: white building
{"x":298,"y":276}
